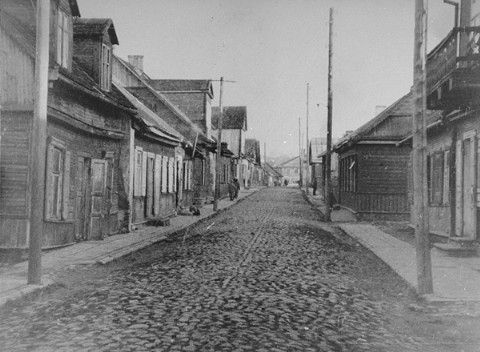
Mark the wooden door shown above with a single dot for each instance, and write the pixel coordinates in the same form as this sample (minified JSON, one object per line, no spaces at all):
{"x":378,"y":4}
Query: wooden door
{"x":82,"y":210}
{"x":97,"y":213}
{"x":150,"y":189}
{"x":468,"y":210}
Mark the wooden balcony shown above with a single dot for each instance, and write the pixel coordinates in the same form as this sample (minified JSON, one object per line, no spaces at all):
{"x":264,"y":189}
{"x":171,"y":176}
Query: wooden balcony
{"x":453,"y":71}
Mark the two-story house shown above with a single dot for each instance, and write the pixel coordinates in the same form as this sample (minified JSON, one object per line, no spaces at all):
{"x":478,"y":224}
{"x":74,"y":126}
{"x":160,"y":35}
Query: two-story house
{"x":194,"y":172}
{"x":453,"y":86}
{"x":156,"y":155}
{"x":234,"y":127}
{"x":88,"y":127}
{"x":193,"y":98}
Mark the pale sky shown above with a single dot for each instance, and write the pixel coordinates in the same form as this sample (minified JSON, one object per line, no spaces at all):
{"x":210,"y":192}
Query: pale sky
{"x":272,"y":48}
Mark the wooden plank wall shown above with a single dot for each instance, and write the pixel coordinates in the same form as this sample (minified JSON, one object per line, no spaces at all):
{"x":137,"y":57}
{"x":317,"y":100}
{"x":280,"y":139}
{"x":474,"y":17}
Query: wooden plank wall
{"x":16,"y":74}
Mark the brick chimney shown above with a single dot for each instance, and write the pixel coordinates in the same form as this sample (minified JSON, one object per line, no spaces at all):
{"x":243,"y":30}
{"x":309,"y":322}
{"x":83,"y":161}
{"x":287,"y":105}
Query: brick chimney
{"x":136,"y":61}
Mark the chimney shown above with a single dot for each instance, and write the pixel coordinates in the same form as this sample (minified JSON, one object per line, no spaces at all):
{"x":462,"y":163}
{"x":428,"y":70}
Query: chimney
{"x":136,"y":61}
{"x":379,"y":109}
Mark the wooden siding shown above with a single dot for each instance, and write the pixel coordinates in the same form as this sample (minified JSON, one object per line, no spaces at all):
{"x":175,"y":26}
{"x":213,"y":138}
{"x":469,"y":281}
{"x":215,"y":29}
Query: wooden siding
{"x":393,"y":126}
{"x":14,"y":163}
{"x":16,"y":74}
{"x":381,"y":181}
{"x":167,"y":200}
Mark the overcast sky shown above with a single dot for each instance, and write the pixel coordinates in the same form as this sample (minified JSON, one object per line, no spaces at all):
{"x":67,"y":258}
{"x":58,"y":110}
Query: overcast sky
{"x":272,"y":48}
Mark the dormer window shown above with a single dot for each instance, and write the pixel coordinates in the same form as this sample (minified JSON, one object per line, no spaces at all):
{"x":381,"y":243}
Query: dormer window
{"x":63,"y":38}
{"x":106,"y":74}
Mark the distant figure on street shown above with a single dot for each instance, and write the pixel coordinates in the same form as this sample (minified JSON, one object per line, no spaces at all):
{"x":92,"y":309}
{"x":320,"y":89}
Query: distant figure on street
{"x":232,"y":189}
{"x":237,"y":187}
{"x":285,"y":182}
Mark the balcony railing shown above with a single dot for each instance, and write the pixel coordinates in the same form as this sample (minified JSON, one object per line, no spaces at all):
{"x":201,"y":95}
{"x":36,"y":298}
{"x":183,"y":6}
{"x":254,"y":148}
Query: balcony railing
{"x":451,"y":63}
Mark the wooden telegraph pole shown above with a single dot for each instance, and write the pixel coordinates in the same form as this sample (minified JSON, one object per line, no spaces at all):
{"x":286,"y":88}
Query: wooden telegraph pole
{"x":38,"y":146}
{"x":300,"y":153}
{"x":328,"y":155}
{"x":308,"y":147}
{"x":420,"y":190}
{"x":219,"y":150}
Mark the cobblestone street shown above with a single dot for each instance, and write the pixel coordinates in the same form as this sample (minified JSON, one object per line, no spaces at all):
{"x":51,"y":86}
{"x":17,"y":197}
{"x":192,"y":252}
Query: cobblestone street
{"x":261,"y":276}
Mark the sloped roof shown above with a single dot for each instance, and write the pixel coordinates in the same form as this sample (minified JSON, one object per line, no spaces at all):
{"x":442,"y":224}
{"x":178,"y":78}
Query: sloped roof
{"x":289,"y":162}
{"x":74,"y":8}
{"x":149,"y":118}
{"x":234,"y":117}
{"x":175,"y":85}
{"x":94,"y":27}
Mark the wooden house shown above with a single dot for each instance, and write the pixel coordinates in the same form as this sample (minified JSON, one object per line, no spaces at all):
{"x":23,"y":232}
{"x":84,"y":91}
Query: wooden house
{"x":234,"y":127}
{"x":372,"y":172}
{"x":252,"y":153}
{"x":453,"y":77}
{"x":193,"y":173}
{"x":316,"y":147}
{"x":193,"y":99}
{"x":88,"y":128}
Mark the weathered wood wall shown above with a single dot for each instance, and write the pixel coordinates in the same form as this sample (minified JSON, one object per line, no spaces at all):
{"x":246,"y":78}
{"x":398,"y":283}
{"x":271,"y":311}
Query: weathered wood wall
{"x":381,"y":181}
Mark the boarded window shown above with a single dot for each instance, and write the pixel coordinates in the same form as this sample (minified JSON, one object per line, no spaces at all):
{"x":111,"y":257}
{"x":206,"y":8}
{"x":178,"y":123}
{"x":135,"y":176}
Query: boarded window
{"x":348,"y":174}
{"x":446,"y":177}
{"x":57,"y":191}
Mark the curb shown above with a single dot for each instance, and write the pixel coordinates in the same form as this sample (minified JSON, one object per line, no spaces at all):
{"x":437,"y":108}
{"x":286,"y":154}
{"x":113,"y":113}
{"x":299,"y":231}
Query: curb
{"x":26,"y":290}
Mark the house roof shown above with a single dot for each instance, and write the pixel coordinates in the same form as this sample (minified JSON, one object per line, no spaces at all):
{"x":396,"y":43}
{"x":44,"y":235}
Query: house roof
{"x":74,"y":8}
{"x":75,"y":77}
{"x":289,"y":162}
{"x":192,"y":128}
{"x":151,"y":120}
{"x":94,"y":27}
{"x":234,"y":117}
{"x":182,"y":85}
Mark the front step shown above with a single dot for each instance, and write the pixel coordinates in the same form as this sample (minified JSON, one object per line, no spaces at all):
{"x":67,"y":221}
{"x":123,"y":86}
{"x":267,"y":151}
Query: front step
{"x":458,"y":247}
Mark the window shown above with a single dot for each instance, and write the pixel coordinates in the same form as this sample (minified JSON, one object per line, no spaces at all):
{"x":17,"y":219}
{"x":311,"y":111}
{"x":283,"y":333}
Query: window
{"x":63,"y":38}
{"x":171,"y":165}
{"x":57,"y":182}
{"x":106,"y":77}
{"x":348,"y":174}
{"x":187,"y":174}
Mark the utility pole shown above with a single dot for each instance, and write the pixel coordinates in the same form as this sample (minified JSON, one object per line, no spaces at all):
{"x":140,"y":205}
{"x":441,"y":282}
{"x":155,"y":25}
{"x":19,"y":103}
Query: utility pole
{"x":420,"y":189}
{"x":300,"y":153}
{"x":219,"y":149}
{"x":308,"y":147}
{"x":39,"y":140}
{"x":328,"y":156}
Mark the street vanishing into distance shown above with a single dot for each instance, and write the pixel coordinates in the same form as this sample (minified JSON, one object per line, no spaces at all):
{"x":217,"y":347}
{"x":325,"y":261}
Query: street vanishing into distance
{"x":264,"y":275}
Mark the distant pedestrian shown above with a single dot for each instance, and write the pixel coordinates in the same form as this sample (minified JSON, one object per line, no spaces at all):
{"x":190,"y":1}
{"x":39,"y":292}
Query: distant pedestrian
{"x":237,"y":187}
{"x":232,"y":189}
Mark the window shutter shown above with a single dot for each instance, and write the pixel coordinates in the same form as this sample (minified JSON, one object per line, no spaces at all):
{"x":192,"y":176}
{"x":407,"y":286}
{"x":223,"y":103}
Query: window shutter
{"x":66,"y":186}
{"x":49,"y":184}
{"x":137,"y":172}
{"x":164,"y":175}
{"x":144,"y":175}
{"x":190,"y":176}
{"x":174,"y":160}
{"x":157,"y":182}
{"x":446,"y":177}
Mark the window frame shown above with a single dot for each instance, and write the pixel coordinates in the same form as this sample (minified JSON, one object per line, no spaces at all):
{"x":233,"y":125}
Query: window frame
{"x":106,"y":64}
{"x":63,"y":35}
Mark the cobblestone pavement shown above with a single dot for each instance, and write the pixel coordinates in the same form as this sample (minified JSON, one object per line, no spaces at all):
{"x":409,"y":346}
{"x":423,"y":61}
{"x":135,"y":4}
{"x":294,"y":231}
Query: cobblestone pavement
{"x":261,"y":276}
